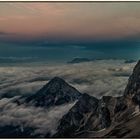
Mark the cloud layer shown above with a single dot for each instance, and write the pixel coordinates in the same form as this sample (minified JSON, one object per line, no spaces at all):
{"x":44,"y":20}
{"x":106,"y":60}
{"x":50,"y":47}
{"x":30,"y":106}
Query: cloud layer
{"x":97,"y":78}
{"x":44,"y":121}
{"x":107,"y":77}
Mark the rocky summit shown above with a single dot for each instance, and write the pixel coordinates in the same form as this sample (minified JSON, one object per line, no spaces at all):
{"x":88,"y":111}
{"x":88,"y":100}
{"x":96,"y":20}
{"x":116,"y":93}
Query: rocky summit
{"x":56,"y":92}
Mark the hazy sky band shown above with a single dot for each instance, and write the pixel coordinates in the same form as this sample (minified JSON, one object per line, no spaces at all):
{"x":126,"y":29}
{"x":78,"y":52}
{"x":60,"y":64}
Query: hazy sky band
{"x":58,"y":22}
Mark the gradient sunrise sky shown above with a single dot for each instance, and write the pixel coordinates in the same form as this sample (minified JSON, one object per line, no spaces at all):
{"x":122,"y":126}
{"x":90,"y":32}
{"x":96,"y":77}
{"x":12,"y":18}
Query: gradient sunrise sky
{"x":64,"y":30}
{"x":69,"y":21}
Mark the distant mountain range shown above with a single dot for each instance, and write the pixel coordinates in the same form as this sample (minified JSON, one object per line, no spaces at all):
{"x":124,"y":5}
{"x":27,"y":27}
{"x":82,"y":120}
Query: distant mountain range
{"x":89,"y":117}
{"x":80,"y":60}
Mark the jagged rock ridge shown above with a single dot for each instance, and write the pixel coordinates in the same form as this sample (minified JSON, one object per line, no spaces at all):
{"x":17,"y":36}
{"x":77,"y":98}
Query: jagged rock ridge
{"x":88,"y":114}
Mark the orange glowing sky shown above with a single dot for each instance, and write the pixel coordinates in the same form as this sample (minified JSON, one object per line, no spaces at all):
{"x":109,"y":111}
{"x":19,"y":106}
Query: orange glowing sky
{"x":63,"y":20}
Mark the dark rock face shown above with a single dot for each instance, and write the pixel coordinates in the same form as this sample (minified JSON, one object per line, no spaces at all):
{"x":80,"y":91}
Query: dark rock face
{"x":121,"y":104}
{"x":77,"y":117}
{"x":56,"y":92}
{"x":91,"y":114}
{"x":105,"y":117}
{"x":88,"y":114}
{"x":136,"y":99}
{"x":132,"y":90}
{"x":109,"y":103}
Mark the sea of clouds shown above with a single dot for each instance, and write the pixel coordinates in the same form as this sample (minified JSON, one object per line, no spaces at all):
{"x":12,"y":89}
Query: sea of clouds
{"x":97,"y":78}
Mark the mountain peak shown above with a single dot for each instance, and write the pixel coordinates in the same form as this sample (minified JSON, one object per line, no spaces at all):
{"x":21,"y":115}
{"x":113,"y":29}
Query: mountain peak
{"x":57,"y":79}
{"x":55,"y":83}
{"x":55,"y":92}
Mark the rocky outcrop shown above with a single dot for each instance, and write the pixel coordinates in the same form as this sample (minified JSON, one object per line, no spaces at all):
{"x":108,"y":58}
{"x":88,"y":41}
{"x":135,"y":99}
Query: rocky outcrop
{"x":88,"y":114}
{"x":132,"y":90}
{"x":77,"y":117}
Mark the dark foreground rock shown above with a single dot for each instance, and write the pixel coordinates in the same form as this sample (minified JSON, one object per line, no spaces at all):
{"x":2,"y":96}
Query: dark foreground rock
{"x":77,"y":117}
{"x":91,"y":114}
